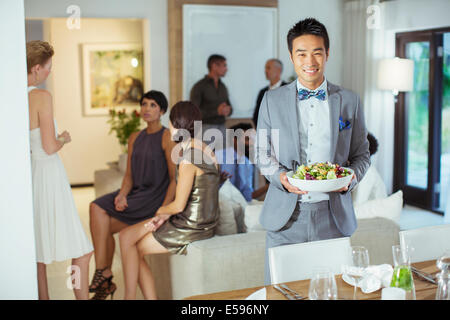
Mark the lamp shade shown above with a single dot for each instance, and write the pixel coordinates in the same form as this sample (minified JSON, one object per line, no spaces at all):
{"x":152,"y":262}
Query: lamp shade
{"x":396,"y":74}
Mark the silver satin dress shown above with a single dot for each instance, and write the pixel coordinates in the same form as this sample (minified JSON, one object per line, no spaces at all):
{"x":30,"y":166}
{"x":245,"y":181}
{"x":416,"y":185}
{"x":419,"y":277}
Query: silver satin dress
{"x":201,"y":215}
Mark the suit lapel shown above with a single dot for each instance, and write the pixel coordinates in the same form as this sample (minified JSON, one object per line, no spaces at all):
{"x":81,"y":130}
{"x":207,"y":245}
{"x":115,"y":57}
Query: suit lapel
{"x":294,"y":119}
{"x":334,"y":102}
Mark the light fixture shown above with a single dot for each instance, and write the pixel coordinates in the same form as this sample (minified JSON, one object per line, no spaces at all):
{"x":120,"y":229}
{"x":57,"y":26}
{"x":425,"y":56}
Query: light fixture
{"x":134,"y":62}
{"x":396,"y":75}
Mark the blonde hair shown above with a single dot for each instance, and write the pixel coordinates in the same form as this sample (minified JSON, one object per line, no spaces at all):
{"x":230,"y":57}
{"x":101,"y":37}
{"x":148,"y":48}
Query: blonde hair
{"x":38,"y":52}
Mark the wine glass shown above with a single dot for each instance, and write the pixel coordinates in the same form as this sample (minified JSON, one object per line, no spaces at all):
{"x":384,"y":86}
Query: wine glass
{"x":443,"y":262}
{"x":322,"y":285}
{"x":443,"y":290}
{"x":355,"y":271}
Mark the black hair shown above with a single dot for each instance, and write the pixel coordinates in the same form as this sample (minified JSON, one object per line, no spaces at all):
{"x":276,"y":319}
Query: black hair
{"x":214,"y":58}
{"x":373,"y":144}
{"x":159,"y":98}
{"x":308,"y":26}
{"x":242,"y":125}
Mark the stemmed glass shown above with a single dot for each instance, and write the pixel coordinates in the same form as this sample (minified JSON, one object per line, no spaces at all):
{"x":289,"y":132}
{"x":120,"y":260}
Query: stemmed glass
{"x":322,"y":285}
{"x":443,"y":290}
{"x":443,"y":263}
{"x":355,"y":271}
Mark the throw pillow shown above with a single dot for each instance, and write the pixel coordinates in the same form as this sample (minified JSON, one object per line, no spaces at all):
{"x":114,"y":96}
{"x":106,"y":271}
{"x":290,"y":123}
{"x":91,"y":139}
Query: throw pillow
{"x":389,"y":208}
{"x":227,"y":222}
{"x":252,"y":213}
{"x":371,"y":187}
{"x":232,"y":194}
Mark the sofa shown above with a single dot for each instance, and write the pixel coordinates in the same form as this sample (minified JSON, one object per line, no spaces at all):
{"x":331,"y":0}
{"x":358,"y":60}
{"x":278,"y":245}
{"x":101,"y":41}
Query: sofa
{"x":234,"y":261}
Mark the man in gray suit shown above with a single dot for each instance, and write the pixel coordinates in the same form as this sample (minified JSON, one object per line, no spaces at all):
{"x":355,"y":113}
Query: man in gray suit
{"x":307,"y":121}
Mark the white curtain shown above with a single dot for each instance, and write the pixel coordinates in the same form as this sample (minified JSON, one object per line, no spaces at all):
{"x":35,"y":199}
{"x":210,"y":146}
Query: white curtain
{"x":365,"y":43}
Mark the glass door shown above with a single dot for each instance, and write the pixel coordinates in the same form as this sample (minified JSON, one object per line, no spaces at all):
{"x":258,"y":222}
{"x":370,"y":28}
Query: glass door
{"x":422,"y":121}
{"x":416,"y":104}
{"x":445,"y":132}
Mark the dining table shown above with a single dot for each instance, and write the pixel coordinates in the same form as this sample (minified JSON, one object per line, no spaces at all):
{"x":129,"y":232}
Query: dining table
{"x":425,"y":290}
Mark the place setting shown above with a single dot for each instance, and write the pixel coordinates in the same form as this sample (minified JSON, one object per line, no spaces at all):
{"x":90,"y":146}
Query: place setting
{"x":361,"y":281}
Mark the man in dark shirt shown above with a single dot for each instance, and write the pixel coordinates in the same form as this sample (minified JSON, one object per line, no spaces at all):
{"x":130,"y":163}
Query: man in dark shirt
{"x":211,"y":95}
{"x":273,"y":70}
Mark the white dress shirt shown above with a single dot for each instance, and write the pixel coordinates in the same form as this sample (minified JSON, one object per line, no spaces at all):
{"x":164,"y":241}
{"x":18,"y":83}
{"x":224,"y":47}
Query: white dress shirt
{"x":276,"y":85}
{"x":315,"y":134}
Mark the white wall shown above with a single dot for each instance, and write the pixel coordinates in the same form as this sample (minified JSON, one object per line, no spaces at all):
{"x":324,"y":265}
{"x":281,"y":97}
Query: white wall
{"x":18,"y":279}
{"x":328,"y":12}
{"x":90,"y":134}
{"x":237,"y":33}
{"x":409,"y":15}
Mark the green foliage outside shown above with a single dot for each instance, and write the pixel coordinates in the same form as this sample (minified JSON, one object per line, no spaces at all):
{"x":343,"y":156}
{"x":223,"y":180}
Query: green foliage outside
{"x":418,"y":106}
{"x":417,"y":103}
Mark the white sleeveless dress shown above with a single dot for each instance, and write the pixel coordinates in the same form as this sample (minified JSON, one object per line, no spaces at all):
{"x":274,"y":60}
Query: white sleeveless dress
{"x":58,"y":230}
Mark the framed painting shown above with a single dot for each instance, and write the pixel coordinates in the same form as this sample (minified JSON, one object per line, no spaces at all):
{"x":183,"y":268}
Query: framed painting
{"x":113,"y":76}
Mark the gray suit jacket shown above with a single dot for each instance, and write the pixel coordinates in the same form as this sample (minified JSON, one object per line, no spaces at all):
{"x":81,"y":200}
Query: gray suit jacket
{"x":275,"y":154}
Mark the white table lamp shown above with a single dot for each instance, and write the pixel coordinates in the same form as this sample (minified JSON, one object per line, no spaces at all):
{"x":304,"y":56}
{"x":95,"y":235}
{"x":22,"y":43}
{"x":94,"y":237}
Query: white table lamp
{"x":396,"y":75}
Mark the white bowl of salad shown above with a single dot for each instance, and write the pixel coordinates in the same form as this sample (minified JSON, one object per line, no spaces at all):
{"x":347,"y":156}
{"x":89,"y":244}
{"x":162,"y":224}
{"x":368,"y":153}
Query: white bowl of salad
{"x":320,"y":177}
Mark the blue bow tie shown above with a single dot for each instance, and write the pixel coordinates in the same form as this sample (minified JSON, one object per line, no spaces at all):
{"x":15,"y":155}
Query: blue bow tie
{"x":306,"y":94}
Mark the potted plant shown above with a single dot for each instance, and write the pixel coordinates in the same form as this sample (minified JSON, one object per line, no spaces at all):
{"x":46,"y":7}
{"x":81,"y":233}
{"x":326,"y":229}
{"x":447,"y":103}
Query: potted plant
{"x":123,"y":124}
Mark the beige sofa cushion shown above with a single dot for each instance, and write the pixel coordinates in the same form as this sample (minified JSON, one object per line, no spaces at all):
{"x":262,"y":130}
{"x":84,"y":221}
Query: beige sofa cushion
{"x":251,"y":218}
{"x":227,"y":223}
{"x":228,"y":192}
{"x":106,"y":181}
{"x":378,"y":235}
{"x":220,"y":263}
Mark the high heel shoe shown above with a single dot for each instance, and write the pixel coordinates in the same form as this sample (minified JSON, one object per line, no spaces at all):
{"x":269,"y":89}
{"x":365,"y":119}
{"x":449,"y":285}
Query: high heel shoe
{"x":107,"y":288}
{"x":98,"y":280}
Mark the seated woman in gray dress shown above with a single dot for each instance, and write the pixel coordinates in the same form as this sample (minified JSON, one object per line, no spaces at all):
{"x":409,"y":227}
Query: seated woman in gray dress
{"x":192,"y":216}
{"x":149,"y":183}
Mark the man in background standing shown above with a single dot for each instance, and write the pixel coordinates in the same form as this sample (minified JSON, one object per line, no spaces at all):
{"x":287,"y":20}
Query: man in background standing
{"x":211,"y":95}
{"x":273,"y":70}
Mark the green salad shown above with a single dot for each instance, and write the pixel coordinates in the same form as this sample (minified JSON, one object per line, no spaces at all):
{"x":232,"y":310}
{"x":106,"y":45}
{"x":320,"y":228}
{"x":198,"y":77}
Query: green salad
{"x":321,"y":171}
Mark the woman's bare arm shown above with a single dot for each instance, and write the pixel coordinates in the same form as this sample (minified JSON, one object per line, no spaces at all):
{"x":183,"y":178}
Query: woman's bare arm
{"x":168,"y":145}
{"x":127,"y":182}
{"x":42,"y":100}
{"x":187,"y":172}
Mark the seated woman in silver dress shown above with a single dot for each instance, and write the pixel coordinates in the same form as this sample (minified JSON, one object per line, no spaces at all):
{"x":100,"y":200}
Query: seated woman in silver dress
{"x":192,"y":216}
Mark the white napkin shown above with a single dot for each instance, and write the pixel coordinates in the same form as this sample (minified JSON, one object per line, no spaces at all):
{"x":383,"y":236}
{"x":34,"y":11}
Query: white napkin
{"x":261,"y":294}
{"x":373,"y":278}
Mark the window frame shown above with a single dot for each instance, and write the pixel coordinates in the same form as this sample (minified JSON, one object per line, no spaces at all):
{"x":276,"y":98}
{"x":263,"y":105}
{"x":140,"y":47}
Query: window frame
{"x":424,"y":198}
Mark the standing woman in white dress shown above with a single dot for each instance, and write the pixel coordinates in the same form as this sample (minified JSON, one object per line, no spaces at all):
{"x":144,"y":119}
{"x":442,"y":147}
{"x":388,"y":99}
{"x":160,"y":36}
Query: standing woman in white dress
{"x":59,"y":233}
